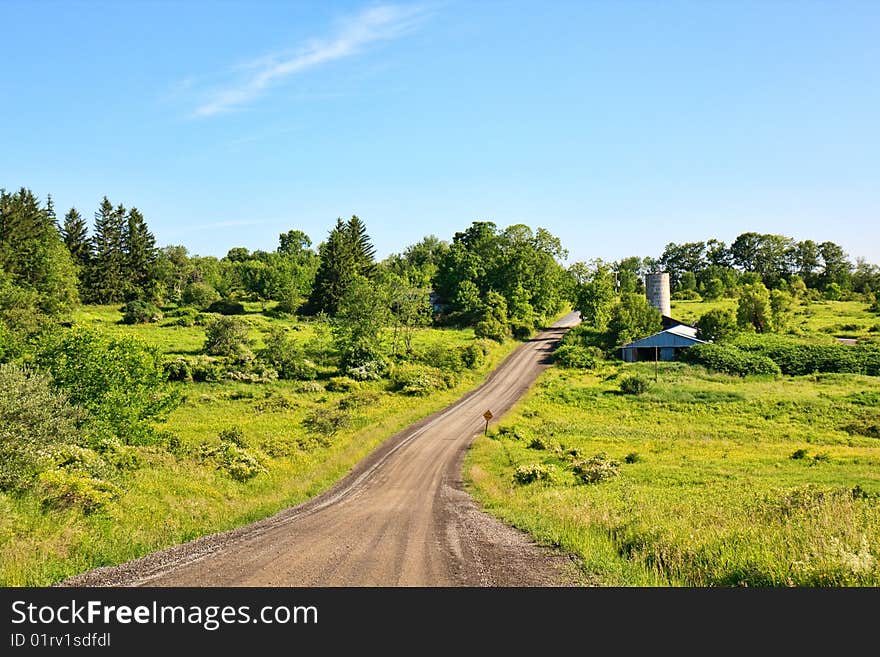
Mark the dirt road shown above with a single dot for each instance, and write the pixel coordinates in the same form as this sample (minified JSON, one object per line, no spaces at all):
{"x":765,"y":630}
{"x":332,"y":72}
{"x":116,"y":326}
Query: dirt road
{"x":400,"y":518}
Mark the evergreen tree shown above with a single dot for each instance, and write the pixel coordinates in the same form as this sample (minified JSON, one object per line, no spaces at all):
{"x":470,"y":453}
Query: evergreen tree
{"x":34,"y":264}
{"x":362,"y":247}
{"x":75,"y":235}
{"x":347,"y":254}
{"x":107,"y":271}
{"x":139,"y":246}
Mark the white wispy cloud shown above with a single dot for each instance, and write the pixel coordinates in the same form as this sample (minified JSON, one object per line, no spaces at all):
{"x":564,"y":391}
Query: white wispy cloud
{"x":380,"y":23}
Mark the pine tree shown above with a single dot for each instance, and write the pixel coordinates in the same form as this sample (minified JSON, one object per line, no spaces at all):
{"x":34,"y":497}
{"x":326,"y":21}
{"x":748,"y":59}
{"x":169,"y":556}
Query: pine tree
{"x":50,"y":211}
{"x":32,"y":256}
{"x":140,"y":256}
{"x":347,"y":254}
{"x":75,"y":235}
{"x":106,"y":273}
{"x":364,"y":252}
{"x":335,"y":272}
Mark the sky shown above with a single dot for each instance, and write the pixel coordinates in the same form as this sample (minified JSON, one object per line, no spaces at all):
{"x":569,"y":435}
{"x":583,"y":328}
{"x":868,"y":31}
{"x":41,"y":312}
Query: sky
{"x":618,"y":126}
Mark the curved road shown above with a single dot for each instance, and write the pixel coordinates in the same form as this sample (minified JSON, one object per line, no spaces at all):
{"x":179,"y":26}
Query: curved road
{"x":400,"y":518}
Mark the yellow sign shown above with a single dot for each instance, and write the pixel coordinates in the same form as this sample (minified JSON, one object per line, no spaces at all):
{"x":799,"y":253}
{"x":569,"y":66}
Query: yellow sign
{"x":488,"y":415}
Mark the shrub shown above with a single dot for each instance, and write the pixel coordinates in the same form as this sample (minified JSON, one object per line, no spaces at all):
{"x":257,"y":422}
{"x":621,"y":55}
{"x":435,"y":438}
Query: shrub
{"x":521,"y":330}
{"x":201,"y":295}
{"x":309,"y":387}
{"x":177,"y":369}
{"x":287,"y":357}
{"x":417,"y":380}
{"x":64,"y":489}
{"x":797,"y":358}
{"x":207,"y":370}
{"x":632,"y":457}
{"x":227,"y":307}
{"x":540,"y":443}
{"x":573,"y":356}
{"x":326,"y":422}
{"x":234,"y":460}
{"x":526,"y":474}
{"x":342,"y":384}
{"x":798,"y":454}
{"x":717,"y":325}
{"x":686,"y":295}
{"x":359,"y":400}
{"x":635,"y":384}
{"x":228,"y":337}
{"x":472,"y":355}
{"x":233,"y":435}
{"x":596,"y":469}
{"x":369,"y":370}
{"x":729,"y":360}
{"x":33,"y":419}
{"x":140,"y":312}
{"x":492,"y":329}
{"x":119,"y":381}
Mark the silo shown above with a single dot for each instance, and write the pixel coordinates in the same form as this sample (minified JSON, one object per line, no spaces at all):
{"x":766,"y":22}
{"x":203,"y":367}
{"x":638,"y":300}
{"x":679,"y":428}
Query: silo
{"x":657,"y":289}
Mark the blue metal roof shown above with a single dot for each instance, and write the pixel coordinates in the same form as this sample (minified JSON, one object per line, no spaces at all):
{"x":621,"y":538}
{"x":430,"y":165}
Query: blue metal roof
{"x":667,"y":338}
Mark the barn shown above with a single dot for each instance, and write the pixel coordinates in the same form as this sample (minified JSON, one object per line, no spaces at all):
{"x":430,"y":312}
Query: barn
{"x":664,"y":345}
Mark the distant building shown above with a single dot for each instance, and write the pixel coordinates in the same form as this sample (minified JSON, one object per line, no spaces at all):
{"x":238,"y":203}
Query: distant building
{"x":664,"y":345}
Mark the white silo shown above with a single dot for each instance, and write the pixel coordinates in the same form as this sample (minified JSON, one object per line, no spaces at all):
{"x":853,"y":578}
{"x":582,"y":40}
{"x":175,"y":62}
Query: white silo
{"x":657,"y":290}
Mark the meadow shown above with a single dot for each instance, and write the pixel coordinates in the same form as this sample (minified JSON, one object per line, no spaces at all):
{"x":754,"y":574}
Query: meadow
{"x":706,"y":479}
{"x":300,"y":436}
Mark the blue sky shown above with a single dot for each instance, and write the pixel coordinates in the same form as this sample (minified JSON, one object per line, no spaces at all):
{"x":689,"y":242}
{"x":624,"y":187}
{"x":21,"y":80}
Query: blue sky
{"x":619,"y":126}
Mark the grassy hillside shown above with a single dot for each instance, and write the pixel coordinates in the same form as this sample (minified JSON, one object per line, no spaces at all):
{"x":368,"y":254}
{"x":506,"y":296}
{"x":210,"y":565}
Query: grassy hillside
{"x":303,"y":435}
{"x":841,"y":319}
{"x":713,"y":479}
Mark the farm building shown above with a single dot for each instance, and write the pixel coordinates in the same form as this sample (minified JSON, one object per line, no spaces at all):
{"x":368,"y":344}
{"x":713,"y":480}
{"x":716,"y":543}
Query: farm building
{"x":661,"y":346}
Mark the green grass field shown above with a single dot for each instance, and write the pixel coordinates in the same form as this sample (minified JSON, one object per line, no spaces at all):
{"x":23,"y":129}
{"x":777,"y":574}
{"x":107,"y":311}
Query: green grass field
{"x":178,"y":495}
{"x":840,"y":319}
{"x":721,"y":480}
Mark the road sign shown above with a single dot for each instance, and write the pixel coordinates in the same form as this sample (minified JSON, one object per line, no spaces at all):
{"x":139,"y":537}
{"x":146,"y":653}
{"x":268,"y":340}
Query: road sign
{"x":488,"y":415}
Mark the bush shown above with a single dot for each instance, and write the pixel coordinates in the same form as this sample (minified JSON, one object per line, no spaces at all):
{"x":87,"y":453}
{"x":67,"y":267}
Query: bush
{"x":526,"y":474}
{"x":342,"y":384}
{"x":287,"y":357}
{"x":521,"y":330}
{"x":227,"y":307}
{"x":234,"y":436}
{"x":798,"y":454}
{"x":326,"y":422}
{"x":635,"y":384}
{"x":417,"y":380}
{"x":228,"y":337}
{"x":63,"y":489}
{"x":232,"y":457}
{"x":120,"y":381}
{"x":177,"y":369}
{"x":310,"y":387}
{"x":140,"y":312}
{"x":596,"y":469}
{"x":686,"y":295}
{"x":729,"y":360}
{"x":492,"y":329}
{"x":472,"y":355}
{"x":540,"y":443}
{"x":202,"y":296}
{"x":717,"y":325}
{"x":632,"y":457}
{"x":573,"y":356}
{"x":797,"y":358}
{"x":369,"y":370}
{"x":33,"y":419}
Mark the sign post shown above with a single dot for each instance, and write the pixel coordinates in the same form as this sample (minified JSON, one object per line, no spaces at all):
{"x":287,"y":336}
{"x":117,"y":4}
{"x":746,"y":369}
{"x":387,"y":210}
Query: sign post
{"x":487,"y":416}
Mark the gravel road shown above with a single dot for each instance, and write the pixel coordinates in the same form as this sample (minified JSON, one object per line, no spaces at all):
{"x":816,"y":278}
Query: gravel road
{"x":400,"y":518}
